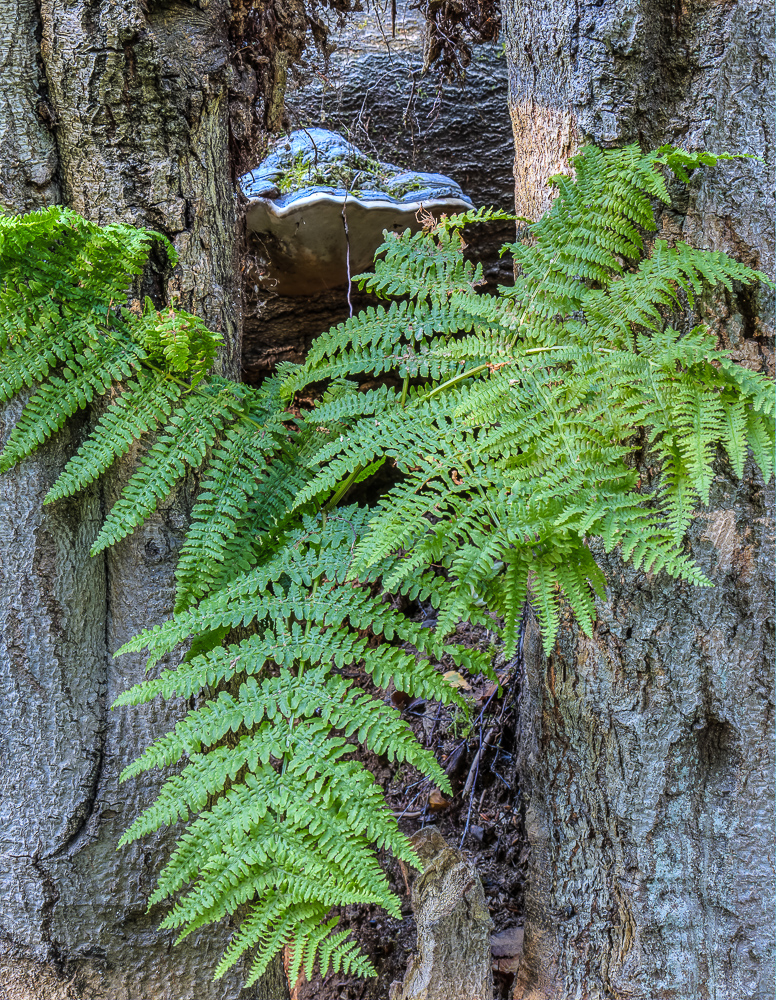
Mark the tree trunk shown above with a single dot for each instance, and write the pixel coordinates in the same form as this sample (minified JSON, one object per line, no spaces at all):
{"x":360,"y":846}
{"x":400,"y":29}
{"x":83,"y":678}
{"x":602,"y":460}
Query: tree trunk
{"x":137,"y":97}
{"x":647,"y":757}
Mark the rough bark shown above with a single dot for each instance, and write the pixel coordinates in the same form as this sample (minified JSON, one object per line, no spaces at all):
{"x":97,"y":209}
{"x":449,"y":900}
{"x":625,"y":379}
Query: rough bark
{"x":647,"y":757}
{"x":138,"y":98}
{"x":647,"y":764}
{"x":28,"y":163}
{"x":452,"y":958}
{"x":698,"y":74}
{"x":52,"y":596}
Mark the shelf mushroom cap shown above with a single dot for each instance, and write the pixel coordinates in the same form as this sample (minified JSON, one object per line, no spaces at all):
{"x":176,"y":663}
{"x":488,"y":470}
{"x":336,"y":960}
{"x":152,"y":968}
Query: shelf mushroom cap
{"x":313,"y":180}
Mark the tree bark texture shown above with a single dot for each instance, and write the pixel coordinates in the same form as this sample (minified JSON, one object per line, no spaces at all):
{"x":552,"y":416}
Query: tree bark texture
{"x":136,"y":95}
{"x":647,"y":755}
{"x":28,"y":163}
{"x":452,"y":959}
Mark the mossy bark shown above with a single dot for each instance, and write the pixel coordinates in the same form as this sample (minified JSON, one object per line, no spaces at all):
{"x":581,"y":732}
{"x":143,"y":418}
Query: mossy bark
{"x":647,"y":755}
{"x":123,"y":107}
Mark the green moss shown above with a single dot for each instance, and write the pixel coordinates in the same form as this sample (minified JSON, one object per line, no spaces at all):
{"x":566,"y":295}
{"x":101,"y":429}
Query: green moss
{"x":306,"y":172}
{"x":356,"y":170}
{"x":409,"y":185}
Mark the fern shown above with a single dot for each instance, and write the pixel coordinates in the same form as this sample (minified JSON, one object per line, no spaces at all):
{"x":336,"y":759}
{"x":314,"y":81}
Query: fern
{"x":182,"y":444}
{"x":508,"y":423}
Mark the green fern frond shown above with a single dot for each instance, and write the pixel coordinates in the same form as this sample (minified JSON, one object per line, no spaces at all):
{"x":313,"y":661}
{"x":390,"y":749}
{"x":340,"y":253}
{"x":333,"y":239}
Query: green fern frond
{"x":424,"y":269}
{"x":314,"y":695}
{"x":141,"y":407}
{"x":504,"y":427}
{"x":86,"y":376}
{"x":760,"y":437}
{"x":183,"y":340}
{"x":181,"y":445}
{"x":231,"y":479}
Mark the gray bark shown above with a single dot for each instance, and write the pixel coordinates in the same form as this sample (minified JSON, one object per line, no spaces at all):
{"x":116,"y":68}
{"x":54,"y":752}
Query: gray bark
{"x":373,"y":90}
{"x":647,"y":754}
{"x":138,"y":96}
{"x":452,"y":954}
{"x":29,"y":160}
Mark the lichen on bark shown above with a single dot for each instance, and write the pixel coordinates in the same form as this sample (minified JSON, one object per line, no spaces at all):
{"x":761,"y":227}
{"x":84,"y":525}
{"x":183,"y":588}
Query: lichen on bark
{"x":647,"y":763}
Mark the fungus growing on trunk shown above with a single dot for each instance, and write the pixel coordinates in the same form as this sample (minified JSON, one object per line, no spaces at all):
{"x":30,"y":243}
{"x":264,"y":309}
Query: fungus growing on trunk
{"x":317,"y":208}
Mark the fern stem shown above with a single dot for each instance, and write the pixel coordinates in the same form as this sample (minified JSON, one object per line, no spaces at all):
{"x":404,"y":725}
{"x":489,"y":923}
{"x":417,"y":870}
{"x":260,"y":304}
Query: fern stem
{"x":192,"y":389}
{"x":454,"y":381}
{"x":481,"y":368}
{"x":309,"y":622}
{"x":342,"y":489}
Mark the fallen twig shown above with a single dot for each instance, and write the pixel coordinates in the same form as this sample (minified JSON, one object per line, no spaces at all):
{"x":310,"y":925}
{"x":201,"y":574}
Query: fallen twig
{"x":484,"y":743}
{"x":471,"y":797}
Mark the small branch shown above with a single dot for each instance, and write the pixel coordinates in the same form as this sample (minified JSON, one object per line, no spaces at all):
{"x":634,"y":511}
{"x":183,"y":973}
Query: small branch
{"x":430,"y":739}
{"x":405,"y":386}
{"x":476,"y":769}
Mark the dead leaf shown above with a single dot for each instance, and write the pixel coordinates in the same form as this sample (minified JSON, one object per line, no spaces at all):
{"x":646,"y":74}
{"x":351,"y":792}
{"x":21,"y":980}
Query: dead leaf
{"x":400,"y":699}
{"x":287,"y":959}
{"x":454,"y":679}
{"x":489,"y":691}
{"x":436,"y":801}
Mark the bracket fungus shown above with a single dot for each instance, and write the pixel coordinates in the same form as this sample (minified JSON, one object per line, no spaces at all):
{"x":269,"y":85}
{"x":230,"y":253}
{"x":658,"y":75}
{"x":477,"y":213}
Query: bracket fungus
{"x":317,"y":208}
